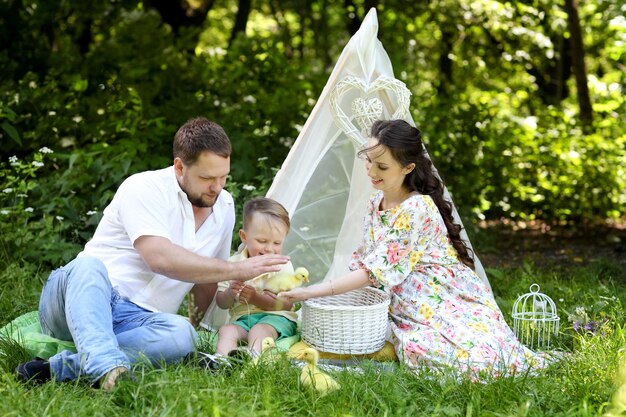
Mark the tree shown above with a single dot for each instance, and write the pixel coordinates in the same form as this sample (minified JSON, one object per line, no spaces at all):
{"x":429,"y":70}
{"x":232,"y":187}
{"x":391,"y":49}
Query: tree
{"x":578,"y":62}
{"x":241,"y":19}
{"x":180,"y":14}
{"x":354,"y":20}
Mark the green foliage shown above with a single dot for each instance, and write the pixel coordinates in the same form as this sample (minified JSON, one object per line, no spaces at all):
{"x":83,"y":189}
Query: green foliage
{"x":243,"y":192}
{"x":38,"y":235}
{"x":116,"y":111}
{"x":21,"y":285}
{"x":525,"y":167}
{"x":494,"y":95}
{"x":108,"y":85}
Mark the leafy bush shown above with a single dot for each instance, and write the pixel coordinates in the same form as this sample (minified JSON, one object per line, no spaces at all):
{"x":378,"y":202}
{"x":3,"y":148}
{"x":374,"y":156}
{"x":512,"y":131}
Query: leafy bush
{"x":502,"y":163}
{"x":111,"y":109}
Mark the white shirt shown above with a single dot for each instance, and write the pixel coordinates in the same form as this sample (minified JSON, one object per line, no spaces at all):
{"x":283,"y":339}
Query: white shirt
{"x":152,"y":203}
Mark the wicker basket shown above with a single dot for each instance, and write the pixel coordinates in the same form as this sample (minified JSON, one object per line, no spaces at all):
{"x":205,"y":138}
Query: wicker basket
{"x":354,"y":322}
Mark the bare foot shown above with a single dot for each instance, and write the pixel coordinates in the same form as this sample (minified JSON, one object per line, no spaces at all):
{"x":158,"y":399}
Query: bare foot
{"x":107,"y":382}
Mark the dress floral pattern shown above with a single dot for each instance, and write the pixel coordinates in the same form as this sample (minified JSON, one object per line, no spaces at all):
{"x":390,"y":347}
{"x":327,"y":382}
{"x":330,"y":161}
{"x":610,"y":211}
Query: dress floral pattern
{"x":442,"y":314}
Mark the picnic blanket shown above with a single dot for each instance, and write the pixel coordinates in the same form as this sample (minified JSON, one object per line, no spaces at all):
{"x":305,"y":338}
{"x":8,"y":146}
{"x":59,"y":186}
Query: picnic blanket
{"x":26,"y":331}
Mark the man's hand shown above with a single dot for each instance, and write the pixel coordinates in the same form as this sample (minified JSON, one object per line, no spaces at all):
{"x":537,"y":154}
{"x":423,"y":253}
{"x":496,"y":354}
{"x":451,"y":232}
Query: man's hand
{"x":166,"y":258}
{"x":258,"y":265}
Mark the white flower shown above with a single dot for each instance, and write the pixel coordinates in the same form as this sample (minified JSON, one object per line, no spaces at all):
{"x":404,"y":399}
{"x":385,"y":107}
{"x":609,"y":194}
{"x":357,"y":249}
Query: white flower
{"x":29,"y":209}
{"x":77,"y":119}
{"x":45,"y":149}
{"x":52,"y":113}
{"x":38,"y":164}
{"x":7,"y":190}
{"x":32,"y":84}
{"x":249,"y":187}
{"x":13,"y":160}
{"x":216,"y":103}
{"x":249,"y":99}
{"x":4,"y":212}
{"x":91,"y":212}
{"x":60,"y":218}
{"x":263,"y":158}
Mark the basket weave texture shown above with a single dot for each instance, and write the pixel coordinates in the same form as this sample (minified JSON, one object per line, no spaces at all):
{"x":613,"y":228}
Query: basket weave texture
{"x":351,"y":323}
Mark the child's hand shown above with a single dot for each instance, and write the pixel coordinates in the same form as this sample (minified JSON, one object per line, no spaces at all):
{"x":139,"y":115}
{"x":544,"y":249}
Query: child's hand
{"x":269,"y":294}
{"x":236,"y":286}
{"x":247,"y":294}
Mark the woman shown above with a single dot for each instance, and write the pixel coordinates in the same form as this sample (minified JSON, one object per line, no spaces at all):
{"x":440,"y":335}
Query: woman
{"x":442,"y":314}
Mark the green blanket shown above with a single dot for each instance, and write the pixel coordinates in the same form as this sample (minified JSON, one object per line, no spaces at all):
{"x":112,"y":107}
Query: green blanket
{"x":26,"y":331}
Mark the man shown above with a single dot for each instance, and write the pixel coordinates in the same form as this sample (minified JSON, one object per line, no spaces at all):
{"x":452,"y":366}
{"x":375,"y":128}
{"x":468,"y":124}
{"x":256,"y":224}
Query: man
{"x":165,"y":232}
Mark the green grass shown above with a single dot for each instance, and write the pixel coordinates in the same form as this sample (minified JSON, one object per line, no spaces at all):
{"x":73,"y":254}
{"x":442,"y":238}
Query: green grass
{"x":582,"y":384}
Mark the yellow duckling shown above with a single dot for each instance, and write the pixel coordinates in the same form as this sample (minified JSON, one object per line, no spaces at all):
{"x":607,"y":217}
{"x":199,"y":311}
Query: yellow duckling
{"x":269,"y":352}
{"x":312,"y":377}
{"x":283,"y":281}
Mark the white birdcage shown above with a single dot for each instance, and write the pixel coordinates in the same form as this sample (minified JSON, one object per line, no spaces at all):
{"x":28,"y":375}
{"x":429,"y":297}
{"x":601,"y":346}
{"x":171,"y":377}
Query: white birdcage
{"x":535,"y":320}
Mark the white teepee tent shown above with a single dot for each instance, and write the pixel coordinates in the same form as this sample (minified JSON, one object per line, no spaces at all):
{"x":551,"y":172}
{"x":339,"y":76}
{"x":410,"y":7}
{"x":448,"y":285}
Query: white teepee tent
{"x":322,"y":183}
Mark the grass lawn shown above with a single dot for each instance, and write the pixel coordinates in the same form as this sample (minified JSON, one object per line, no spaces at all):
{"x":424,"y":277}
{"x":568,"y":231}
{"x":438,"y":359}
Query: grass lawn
{"x":582,"y":384}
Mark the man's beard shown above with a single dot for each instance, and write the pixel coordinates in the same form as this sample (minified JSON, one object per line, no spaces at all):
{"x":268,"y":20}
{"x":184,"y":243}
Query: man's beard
{"x":199,"y":201}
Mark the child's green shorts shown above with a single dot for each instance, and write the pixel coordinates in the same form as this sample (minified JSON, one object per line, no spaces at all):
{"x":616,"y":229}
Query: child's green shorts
{"x":283,"y":326}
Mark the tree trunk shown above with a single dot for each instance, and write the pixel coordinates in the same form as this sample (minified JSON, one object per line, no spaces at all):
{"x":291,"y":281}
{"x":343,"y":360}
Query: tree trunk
{"x":241,"y":20}
{"x":368,"y":5}
{"x":445,"y":63}
{"x":178,"y":13}
{"x":283,"y":24}
{"x":354,"y":21}
{"x":578,"y":62}
{"x":322,"y":28}
{"x":305,"y":15}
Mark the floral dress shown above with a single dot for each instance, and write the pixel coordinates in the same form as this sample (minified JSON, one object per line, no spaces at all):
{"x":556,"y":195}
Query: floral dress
{"x":442,"y":314}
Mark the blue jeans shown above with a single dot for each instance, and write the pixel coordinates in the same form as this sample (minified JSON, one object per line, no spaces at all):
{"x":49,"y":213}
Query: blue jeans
{"x":78,"y":303}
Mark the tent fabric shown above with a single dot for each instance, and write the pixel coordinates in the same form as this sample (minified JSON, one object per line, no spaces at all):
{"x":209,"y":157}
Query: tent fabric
{"x":321,"y":182}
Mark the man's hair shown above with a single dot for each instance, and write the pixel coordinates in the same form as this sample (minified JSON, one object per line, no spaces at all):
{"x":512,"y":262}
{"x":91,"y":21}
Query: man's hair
{"x":200,"y":135}
{"x":265,"y":206}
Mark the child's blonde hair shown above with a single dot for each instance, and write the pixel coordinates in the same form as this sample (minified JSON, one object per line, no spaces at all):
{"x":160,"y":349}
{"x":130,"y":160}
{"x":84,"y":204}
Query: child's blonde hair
{"x":265,"y":206}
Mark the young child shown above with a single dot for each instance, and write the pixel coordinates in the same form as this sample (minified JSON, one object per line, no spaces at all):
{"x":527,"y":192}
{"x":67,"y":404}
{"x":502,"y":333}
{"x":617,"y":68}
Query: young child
{"x":255,"y":314}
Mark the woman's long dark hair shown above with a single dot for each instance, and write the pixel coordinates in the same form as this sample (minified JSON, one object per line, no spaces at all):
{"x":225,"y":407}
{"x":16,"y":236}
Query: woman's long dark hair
{"x":405,"y":144}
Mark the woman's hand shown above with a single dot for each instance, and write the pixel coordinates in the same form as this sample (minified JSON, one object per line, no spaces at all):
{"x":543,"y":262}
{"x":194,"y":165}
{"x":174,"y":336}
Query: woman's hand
{"x":351,"y":281}
{"x":294,"y":295}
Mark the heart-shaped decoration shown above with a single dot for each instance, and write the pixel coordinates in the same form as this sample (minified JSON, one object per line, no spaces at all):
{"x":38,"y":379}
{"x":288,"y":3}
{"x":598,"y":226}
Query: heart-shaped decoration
{"x":368,"y":108}
{"x":366,"y":111}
